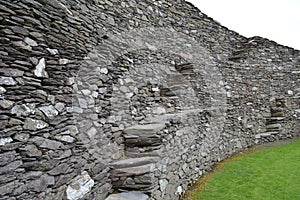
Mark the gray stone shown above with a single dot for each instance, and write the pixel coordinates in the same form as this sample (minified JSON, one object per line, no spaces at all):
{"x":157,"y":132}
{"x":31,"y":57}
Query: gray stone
{"x":128,"y":196}
{"x":51,"y":144}
{"x":40,"y":69}
{"x":59,"y":106}
{"x":41,"y":184}
{"x":11,"y":167}
{"x":12,"y":72}
{"x":7,"y":81}
{"x":82,"y":103}
{"x":60,"y":169}
{"x":34,"y":124}
{"x":6,"y":104}
{"x":144,"y":129}
{"x":79,"y":186}
{"x":7,"y":188}
{"x":32,"y":150}
{"x":30,"y":42}
{"x":23,"y":137}
{"x":23,"y":110}
{"x":74,"y":109}
{"x":132,"y":162}
{"x":111,"y":20}
{"x":49,"y":111}
{"x":33,"y":174}
{"x":133,"y":171}
{"x":7,"y":157}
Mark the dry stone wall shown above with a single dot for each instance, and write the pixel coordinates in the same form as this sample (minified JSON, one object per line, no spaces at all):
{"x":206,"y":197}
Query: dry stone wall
{"x":135,"y":98}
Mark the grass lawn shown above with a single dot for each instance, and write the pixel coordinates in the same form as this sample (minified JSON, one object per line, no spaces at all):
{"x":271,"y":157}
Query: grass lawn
{"x":263,"y":173}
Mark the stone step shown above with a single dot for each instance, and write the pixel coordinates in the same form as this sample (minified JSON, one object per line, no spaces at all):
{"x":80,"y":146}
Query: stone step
{"x":137,"y":152}
{"x":128,"y":196}
{"x":132,"y":171}
{"x":143,"y":141}
{"x":266,"y":134}
{"x":139,"y":187}
{"x":273,"y":126}
{"x":133,"y":162}
{"x":143,"y":129}
{"x":273,"y":118}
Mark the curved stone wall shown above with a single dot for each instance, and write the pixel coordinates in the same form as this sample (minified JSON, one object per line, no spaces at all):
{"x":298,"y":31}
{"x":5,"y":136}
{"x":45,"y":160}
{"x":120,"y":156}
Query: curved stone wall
{"x":99,"y":97}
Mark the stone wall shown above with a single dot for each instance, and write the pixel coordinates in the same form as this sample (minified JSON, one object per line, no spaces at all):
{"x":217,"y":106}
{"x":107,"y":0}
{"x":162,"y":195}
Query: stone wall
{"x":111,"y":96}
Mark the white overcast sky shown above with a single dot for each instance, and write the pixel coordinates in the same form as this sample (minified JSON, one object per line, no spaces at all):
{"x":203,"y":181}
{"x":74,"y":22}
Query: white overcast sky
{"x":277,"y":20}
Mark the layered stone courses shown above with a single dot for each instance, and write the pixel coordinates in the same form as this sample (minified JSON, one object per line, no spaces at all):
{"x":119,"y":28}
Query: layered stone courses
{"x":136,"y":97}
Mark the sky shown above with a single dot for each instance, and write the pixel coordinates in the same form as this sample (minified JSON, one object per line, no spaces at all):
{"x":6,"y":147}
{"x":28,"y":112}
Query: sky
{"x":277,"y":20}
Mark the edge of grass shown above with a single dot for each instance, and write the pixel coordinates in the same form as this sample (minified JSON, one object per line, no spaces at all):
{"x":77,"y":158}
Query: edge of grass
{"x":218,"y":167}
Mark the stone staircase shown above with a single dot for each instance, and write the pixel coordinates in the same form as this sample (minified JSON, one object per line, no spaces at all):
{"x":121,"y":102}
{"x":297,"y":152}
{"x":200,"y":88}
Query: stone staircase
{"x":275,"y":120}
{"x":137,"y":171}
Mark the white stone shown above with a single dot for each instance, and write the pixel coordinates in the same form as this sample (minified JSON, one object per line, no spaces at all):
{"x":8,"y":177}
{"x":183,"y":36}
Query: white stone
{"x":7,"y":81}
{"x":179,"y":191}
{"x":40,"y":69}
{"x":104,"y":71}
{"x":102,"y":90}
{"x":290,"y":92}
{"x":79,"y":186}
{"x":23,"y":110}
{"x":86,"y":92}
{"x":151,"y":47}
{"x":4,"y":141}
{"x":254,"y":89}
{"x":30,"y":42}
{"x":63,"y":61}
{"x":74,"y":109}
{"x":95,"y":94}
{"x":92,"y":132}
{"x":52,"y":51}
{"x":71,"y":80}
{"x":156,"y":89}
{"x":129,"y":95}
{"x":159,"y":110}
{"x":2,"y":90}
{"x":228,"y":94}
{"x":67,"y":138}
{"x":163,"y":184}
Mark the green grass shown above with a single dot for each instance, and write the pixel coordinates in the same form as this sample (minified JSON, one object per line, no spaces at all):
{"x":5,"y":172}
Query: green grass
{"x":269,"y":173}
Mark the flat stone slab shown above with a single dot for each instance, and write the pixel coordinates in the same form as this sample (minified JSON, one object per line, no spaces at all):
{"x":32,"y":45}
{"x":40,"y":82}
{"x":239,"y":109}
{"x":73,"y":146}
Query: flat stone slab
{"x":266,"y":134}
{"x":128,"y":196}
{"x":142,"y":129}
{"x":133,"y":162}
{"x":132,"y":171}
